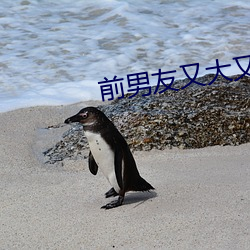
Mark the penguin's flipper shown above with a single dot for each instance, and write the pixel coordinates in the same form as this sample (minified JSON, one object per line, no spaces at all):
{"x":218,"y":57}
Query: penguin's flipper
{"x":111,"y":193}
{"x":118,"y":166}
{"x":93,"y":167}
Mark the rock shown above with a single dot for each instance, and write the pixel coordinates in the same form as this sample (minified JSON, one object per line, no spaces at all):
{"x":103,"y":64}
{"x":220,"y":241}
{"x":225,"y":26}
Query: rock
{"x":195,"y":117}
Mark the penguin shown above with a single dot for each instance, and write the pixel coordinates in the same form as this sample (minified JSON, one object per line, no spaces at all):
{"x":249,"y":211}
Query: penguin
{"x":110,"y":152}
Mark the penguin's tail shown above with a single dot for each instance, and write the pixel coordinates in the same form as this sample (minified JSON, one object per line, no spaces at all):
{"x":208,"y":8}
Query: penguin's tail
{"x":141,"y":185}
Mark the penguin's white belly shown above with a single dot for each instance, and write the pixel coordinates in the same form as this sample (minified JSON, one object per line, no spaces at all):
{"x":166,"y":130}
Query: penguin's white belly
{"x":104,"y":157}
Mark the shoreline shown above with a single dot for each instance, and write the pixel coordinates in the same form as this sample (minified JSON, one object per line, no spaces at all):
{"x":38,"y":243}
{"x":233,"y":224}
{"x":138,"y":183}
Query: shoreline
{"x":201,"y":198}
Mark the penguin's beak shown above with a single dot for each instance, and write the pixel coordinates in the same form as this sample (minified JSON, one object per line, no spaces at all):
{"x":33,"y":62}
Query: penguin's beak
{"x":74,"y":118}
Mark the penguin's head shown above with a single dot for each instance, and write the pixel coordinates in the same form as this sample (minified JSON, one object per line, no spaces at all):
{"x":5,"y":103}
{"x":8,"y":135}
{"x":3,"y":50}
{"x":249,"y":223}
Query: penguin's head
{"x":88,"y":117}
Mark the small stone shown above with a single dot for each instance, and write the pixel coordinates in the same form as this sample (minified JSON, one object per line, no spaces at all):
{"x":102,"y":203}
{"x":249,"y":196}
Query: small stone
{"x":181,"y":133}
{"x":147,"y":140}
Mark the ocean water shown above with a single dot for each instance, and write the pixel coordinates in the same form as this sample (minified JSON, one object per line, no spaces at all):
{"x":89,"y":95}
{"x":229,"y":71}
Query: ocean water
{"x":56,"y":52}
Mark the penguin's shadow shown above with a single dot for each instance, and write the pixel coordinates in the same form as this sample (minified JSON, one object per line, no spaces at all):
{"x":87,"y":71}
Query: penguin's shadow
{"x":137,"y":198}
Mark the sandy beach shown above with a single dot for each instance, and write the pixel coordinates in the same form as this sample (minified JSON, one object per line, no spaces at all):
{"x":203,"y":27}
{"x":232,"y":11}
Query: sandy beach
{"x":201,"y":198}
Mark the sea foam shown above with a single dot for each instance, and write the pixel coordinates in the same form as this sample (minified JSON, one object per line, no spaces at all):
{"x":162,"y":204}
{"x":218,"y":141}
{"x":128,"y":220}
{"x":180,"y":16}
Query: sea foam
{"x":56,"y":52}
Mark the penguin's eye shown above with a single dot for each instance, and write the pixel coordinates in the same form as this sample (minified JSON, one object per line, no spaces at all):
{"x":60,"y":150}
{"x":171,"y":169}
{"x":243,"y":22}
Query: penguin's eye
{"x":84,"y":115}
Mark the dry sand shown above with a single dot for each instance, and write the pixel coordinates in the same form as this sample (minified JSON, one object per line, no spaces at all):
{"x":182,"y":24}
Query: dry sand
{"x":201,"y":201}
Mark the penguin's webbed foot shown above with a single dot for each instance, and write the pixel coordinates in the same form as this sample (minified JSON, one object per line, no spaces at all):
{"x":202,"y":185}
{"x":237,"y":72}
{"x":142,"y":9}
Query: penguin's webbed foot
{"x":111,"y":193}
{"x":113,"y":204}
